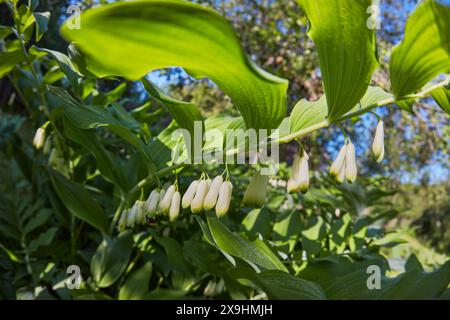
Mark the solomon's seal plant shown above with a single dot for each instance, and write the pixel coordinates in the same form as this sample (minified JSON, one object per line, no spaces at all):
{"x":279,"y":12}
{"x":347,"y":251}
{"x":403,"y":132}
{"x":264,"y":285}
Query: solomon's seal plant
{"x":100,"y":186}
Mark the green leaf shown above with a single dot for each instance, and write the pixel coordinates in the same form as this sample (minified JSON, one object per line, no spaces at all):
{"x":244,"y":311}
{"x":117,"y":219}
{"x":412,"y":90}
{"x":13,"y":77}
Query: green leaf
{"x":175,"y":255}
{"x":44,"y":239}
{"x":107,"y":165}
{"x":281,"y":285}
{"x":313,"y":234}
{"x":137,"y":284}
{"x":256,"y":253}
{"x":111,"y":259}
{"x":89,"y":117}
{"x":78,"y":201}
{"x":346,"y":48}
{"x":41,"y":19}
{"x":184,"y":113}
{"x":166,"y":294}
{"x":41,"y":217}
{"x":442,"y":97}
{"x":424,"y":51}
{"x":9,"y":59}
{"x":179,"y":33}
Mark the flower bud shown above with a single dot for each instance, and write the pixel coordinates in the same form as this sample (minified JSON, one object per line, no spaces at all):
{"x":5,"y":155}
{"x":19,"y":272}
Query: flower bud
{"x":47,"y":146}
{"x":341,"y":176}
{"x":164,"y":204}
{"x":224,"y":199}
{"x":378,"y":142}
{"x":152,"y":202}
{"x":293,"y":184}
{"x":174,"y":211}
{"x":199,"y":198}
{"x":189,"y":194}
{"x":338,"y":163}
{"x":351,"y":169}
{"x":132,"y":216}
{"x":39,"y":138}
{"x":304,"y":175}
{"x":123,"y":220}
{"x":53,"y":159}
{"x":211,"y":196}
{"x":140,"y":215}
{"x":256,"y":191}
{"x":299,"y":180}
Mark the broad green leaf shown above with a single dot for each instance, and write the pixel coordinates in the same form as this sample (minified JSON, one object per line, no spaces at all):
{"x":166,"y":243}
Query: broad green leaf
{"x":106,"y":163}
{"x":89,"y":117}
{"x":255,"y":252}
{"x":184,"y":113}
{"x":78,"y":201}
{"x":346,"y":47}
{"x":442,"y":97}
{"x":41,"y":23}
{"x":179,"y":33}
{"x":174,"y":253}
{"x":424,"y":51}
{"x":64,"y":64}
{"x":281,"y":285}
{"x":137,"y":284}
{"x":44,"y":239}
{"x":9,"y":59}
{"x":313,"y":235}
{"x":111,"y":259}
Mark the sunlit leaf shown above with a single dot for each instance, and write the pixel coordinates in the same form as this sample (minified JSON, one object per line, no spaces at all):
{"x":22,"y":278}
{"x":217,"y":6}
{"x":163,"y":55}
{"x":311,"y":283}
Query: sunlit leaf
{"x":136,"y":34}
{"x":346,"y":46}
{"x":424,"y":52}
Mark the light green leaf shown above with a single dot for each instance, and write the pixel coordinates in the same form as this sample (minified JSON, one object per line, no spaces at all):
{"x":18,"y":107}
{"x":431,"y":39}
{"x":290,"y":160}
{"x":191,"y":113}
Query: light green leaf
{"x":9,"y":59}
{"x":111,"y":259}
{"x":346,"y":48}
{"x":424,"y":52}
{"x":179,"y":33}
{"x":442,"y":97}
{"x":137,"y":284}
{"x":184,"y":113}
{"x":78,"y":201}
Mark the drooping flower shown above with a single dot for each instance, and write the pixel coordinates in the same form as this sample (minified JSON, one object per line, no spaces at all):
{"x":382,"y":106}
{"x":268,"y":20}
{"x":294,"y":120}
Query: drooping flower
{"x":199,"y":198}
{"x":378,"y":142}
{"x":338,"y":163}
{"x":351,"y":169}
{"x":213,"y":193}
{"x":174,"y":210}
{"x":132,"y":216}
{"x":152,"y":202}
{"x":255,"y":194}
{"x":189,"y":194}
{"x":164,"y":204}
{"x":224,"y":199}
{"x":141,"y":212}
{"x":39,"y":138}
{"x":299,"y":180}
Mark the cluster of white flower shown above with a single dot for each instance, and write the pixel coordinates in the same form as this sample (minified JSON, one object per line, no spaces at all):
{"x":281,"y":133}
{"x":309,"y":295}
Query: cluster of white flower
{"x":202,"y":194}
{"x":205,"y":194}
